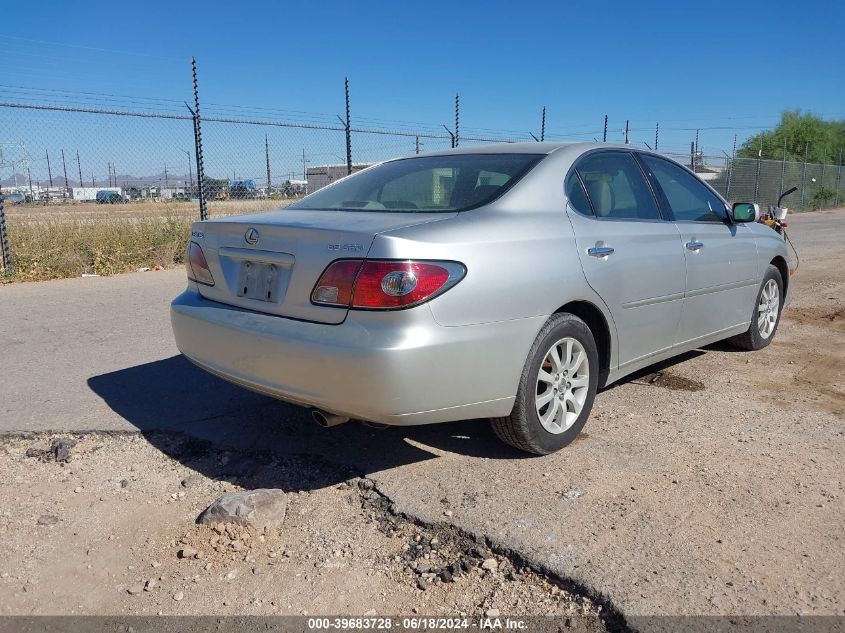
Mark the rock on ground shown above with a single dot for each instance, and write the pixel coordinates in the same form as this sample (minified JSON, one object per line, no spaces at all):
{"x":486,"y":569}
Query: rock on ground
{"x":264,"y":507}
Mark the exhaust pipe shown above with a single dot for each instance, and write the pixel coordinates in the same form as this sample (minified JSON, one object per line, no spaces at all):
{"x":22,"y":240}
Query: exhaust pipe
{"x":326,"y":419}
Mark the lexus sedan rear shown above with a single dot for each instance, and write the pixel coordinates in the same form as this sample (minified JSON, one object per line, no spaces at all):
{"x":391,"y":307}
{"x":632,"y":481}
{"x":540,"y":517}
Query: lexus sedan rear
{"x":507,"y":282}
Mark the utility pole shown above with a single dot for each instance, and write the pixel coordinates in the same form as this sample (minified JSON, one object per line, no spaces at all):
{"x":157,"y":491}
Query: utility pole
{"x":267,"y":160}
{"x":543,"y":126}
{"x":49,"y":171}
{"x":79,"y":167}
{"x":165,"y":176}
{"x":604,"y":136}
{"x":304,"y":170}
{"x":93,"y":182}
{"x":64,"y":167}
{"x":190,"y":174}
{"x":32,"y":193}
{"x":696,"y":141}
{"x":626,"y":131}
{"x":108,"y":167}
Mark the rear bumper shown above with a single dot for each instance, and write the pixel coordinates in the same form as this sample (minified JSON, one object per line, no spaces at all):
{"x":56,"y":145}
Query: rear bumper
{"x":391,"y":367}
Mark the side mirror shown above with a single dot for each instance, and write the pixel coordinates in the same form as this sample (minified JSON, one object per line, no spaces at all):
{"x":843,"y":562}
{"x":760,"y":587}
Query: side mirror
{"x":745,"y":212}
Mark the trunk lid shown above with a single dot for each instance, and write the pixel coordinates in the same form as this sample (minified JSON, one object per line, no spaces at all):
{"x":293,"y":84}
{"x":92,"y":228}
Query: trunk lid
{"x":269,"y":262}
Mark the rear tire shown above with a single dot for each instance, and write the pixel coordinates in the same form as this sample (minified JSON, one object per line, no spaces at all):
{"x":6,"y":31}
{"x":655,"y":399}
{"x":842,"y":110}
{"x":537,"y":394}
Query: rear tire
{"x":765,"y":316}
{"x":556,"y":389}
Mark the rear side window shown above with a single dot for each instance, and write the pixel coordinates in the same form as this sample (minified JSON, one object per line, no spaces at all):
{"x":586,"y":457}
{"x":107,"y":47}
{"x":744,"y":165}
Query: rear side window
{"x":689,"y":199}
{"x":424,"y":184}
{"x":616,"y":187}
{"x":575,"y":194}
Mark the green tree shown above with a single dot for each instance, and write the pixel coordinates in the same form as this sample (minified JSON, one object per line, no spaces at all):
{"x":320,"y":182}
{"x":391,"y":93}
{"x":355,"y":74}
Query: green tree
{"x":795,"y":131}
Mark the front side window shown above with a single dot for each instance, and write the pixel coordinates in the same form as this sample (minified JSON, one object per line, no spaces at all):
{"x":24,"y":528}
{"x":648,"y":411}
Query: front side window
{"x":616,"y":187}
{"x":689,"y":200}
{"x":424,"y":184}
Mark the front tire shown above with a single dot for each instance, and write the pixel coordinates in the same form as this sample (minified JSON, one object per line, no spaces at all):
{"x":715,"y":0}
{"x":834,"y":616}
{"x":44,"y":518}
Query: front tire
{"x":765,"y":316}
{"x":556,"y":389}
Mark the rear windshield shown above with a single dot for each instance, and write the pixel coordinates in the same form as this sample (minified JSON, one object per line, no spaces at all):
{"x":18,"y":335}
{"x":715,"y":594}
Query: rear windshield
{"x":424,"y":184}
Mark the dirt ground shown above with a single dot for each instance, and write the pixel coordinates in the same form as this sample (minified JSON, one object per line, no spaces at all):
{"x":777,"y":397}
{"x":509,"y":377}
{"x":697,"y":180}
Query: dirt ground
{"x":711,"y":484}
{"x":106,"y":532}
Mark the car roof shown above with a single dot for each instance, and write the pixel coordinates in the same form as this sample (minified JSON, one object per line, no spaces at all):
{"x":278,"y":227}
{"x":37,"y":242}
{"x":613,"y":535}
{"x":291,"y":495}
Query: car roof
{"x":546,"y":147}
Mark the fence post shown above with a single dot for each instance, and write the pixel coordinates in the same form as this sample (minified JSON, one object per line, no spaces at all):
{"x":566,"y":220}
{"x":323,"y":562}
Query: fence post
{"x":543,"y":126}
{"x":4,"y":243}
{"x":198,"y":142}
{"x":757,"y":174}
{"x":782,"y":169}
{"x":656,"y":134}
{"x":348,"y":130}
{"x":692,"y":156}
{"x":452,"y":136}
{"x":457,"y":120}
{"x":839,"y":177}
{"x":731,"y":171}
{"x":604,"y":136}
{"x":626,"y":131}
{"x":804,"y":173}
{"x":266,"y":160}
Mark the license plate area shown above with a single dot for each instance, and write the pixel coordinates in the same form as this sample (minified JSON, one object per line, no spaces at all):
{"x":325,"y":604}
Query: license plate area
{"x":261,"y":281}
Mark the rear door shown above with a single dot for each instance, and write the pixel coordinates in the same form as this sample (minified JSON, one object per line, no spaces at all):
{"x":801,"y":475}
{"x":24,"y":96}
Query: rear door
{"x":630,"y":256}
{"x":721,"y":257}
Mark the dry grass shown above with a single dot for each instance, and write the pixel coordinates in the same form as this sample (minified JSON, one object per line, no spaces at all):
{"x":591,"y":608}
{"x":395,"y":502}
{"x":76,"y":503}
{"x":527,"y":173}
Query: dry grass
{"x":58,"y":241}
{"x":135,"y":210}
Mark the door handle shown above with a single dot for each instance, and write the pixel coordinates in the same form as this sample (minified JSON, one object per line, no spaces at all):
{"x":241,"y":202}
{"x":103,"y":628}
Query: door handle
{"x":695,"y":246}
{"x":600,"y":251}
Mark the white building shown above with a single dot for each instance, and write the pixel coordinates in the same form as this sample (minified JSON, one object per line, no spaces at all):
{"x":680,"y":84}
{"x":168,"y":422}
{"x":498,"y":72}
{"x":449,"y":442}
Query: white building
{"x":322,"y":175}
{"x":87,"y":194}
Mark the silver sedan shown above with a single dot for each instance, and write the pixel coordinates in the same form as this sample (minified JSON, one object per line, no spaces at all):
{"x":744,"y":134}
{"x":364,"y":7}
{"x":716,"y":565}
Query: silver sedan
{"x":507,"y":282}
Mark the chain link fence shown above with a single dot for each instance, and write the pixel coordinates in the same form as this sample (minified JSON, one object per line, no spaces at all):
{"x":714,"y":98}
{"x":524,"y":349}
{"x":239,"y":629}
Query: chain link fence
{"x":87,"y":168}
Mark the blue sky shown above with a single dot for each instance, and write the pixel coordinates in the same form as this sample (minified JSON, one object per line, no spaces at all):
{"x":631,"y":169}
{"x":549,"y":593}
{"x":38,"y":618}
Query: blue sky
{"x":724,"y":67}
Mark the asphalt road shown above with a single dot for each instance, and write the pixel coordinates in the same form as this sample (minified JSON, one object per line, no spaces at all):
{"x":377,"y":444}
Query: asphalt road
{"x":713,"y":486}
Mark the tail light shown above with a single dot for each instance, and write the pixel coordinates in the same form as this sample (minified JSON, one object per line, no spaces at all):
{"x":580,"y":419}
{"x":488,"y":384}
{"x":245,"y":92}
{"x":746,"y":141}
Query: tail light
{"x":384,"y":284}
{"x":197,"y":266}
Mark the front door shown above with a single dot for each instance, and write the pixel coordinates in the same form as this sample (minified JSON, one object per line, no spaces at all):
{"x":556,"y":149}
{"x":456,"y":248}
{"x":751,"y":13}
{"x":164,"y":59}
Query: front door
{"x":720,"y":255}
{"x":630,"y":256}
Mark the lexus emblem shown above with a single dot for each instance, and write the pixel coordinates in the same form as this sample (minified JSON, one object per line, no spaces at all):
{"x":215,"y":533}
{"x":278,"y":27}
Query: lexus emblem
{"x":251,"y":236}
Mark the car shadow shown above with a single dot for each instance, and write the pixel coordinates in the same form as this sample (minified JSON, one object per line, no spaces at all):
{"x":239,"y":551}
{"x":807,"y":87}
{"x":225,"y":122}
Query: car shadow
{"x":190,"y":414}
{"x":657,"y":368}
{"x":232,"y":434}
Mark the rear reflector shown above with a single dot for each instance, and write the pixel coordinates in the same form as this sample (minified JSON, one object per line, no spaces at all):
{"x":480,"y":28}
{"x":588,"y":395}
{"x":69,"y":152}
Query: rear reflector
{"x":197,"y":266}
{"x":384,"y":284}
{"x":335,"y":285}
